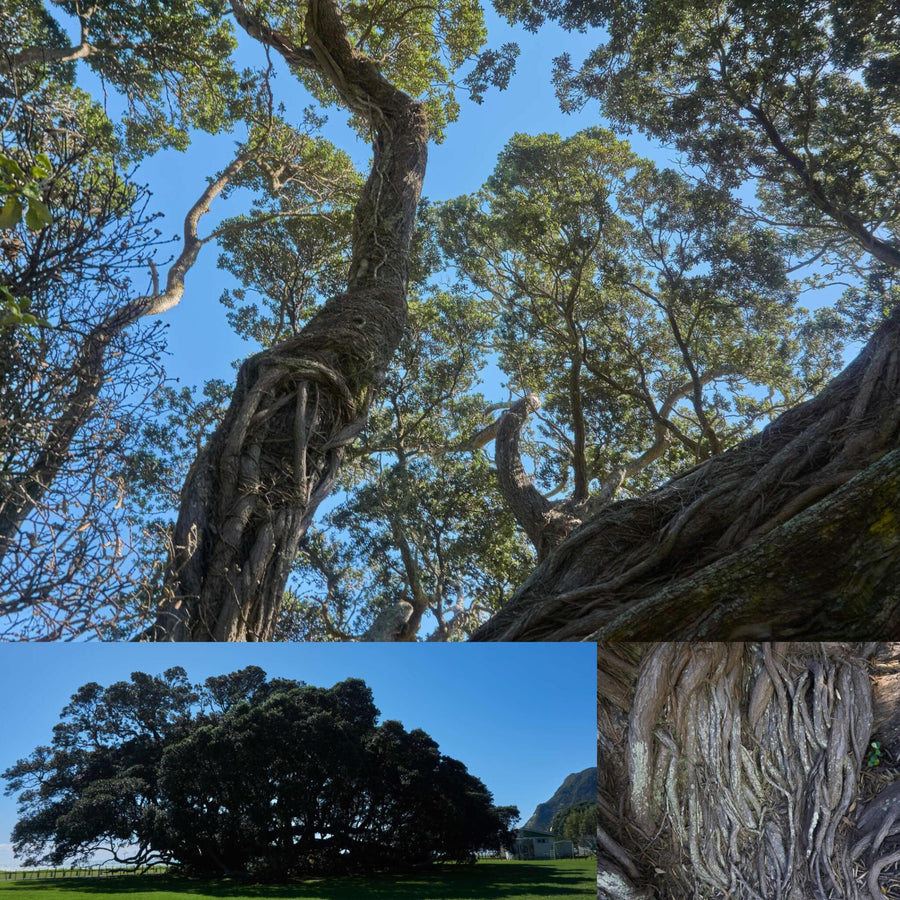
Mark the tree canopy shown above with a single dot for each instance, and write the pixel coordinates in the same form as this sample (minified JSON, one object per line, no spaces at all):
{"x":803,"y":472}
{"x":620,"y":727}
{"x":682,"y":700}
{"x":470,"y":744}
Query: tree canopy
{"x":563,"y":405}
{"x":647,"y":314}
{"x":791,"y":99}
{"x":269,"y":778}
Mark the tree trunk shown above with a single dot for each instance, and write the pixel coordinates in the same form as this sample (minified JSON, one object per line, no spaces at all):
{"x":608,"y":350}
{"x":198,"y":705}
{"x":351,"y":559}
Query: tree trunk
{"x":794,"y":533}
{"x":734,"y":770}
{"x":251,"y":494}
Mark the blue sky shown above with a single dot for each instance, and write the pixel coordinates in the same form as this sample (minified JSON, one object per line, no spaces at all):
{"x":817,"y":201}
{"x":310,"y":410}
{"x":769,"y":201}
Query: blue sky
{"x":520,"y":716}
{"x":201,"y":342}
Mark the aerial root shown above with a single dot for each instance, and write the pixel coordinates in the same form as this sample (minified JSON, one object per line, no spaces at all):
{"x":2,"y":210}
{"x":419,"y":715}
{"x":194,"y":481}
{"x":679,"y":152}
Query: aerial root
{"x":741,"y":758}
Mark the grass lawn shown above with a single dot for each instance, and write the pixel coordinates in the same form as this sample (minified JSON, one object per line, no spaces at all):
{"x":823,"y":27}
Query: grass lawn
{"x":488,"y":879}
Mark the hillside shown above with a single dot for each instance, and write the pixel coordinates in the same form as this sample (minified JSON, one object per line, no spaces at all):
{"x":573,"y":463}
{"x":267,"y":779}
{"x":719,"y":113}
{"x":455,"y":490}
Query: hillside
{"x":577,"y":787}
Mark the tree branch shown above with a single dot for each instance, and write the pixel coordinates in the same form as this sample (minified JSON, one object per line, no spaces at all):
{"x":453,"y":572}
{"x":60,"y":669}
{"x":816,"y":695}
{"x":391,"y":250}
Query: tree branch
{"x":87,"y":370}
{"x":795,"y":526}
{"x":882,"y":250}
{"x":542,"y":521}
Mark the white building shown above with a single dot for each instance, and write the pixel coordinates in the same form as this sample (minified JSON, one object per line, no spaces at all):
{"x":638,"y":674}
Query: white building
{"x":541,"y":845}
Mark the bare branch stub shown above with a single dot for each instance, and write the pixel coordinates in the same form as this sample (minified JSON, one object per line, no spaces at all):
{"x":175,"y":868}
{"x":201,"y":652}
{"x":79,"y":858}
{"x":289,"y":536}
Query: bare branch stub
{"x":788,"y":534}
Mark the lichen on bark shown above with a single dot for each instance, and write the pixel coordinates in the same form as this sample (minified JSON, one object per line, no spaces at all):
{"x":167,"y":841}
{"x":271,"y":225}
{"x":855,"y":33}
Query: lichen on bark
{"x":736,"y":769}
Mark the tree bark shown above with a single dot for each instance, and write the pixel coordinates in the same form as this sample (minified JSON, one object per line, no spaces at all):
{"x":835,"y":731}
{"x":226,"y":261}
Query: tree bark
{"x":794,"y":533}
{"x":545,"y":523}
{"x":733,"y":769}
{"x":249,"y":497}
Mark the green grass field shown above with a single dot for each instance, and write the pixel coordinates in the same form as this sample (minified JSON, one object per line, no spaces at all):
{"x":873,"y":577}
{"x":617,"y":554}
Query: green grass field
{"x":566,"y":879}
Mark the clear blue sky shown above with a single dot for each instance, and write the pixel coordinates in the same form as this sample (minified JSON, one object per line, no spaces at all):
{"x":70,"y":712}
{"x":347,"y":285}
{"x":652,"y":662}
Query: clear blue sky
{"x":200,"y":340}
{"x":520,"y":716}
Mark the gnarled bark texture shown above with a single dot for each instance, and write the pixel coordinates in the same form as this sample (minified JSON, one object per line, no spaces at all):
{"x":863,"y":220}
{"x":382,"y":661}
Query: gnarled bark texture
{"x":250,"y":495}
{"x":794,"y":533}
{"x":735,"y":770}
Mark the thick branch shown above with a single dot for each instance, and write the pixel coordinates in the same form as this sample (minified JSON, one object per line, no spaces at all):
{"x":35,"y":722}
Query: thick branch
{"x":882,"y":250}
{"x":419,"y":604}
{"x":292,"y":53}
{"x":816,"y":575}
{"x":544,"y":524}
{"x":389,"y":623}
{"x":87,"y":375}
{"x":737,"y":511}
{"x":44,"y":56}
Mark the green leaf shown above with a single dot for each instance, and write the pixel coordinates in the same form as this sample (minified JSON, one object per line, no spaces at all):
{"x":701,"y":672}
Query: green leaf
{"x":38,"y":215}
{"x":42,"y":167}
{"x":12,"y":166}
{"x":11,"y":212}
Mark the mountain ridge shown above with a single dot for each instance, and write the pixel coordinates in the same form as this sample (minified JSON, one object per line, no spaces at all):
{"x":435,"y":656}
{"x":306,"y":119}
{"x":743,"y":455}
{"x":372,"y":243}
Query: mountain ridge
{"x":576,"y":788}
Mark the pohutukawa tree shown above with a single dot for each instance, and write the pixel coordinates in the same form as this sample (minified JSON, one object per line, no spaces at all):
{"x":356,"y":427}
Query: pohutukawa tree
{"x":798,"y":97}
{"x":251,"y":494}
{"x":421,"y":532}
{"x":173,"y":69}
{"x":248,"y":776}
{"x":793,"y":532}
{"x":746,"y":770}
{"x":650,"y":318}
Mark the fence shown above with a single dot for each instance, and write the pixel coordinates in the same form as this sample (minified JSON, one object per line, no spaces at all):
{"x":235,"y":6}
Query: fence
{"x":578,"y":853}
{"x":98,"y":871}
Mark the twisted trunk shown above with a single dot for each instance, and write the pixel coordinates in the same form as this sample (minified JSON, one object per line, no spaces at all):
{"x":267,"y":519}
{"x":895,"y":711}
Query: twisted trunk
{"x":794,"y":533}
{"x":249,"y":497}
{"x":732,"y":769}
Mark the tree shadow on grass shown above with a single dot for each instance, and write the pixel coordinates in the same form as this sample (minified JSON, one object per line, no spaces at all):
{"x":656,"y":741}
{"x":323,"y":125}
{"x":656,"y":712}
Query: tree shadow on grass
{"x":495,"y":880}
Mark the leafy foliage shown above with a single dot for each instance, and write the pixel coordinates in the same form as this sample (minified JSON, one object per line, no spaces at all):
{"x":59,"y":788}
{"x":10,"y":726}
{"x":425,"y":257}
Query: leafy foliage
{"x":798,"y":95}
{"x":20,"y":195}
{"x":578,"y":823}
{"x":416,"y":46}
{"x":266,"y":778}
{"x":654,"y":320}
{"x":169,"y":62}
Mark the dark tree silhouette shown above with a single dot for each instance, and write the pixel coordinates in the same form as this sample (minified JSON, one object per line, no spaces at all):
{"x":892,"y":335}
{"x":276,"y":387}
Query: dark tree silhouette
{"x":246,"y":776}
